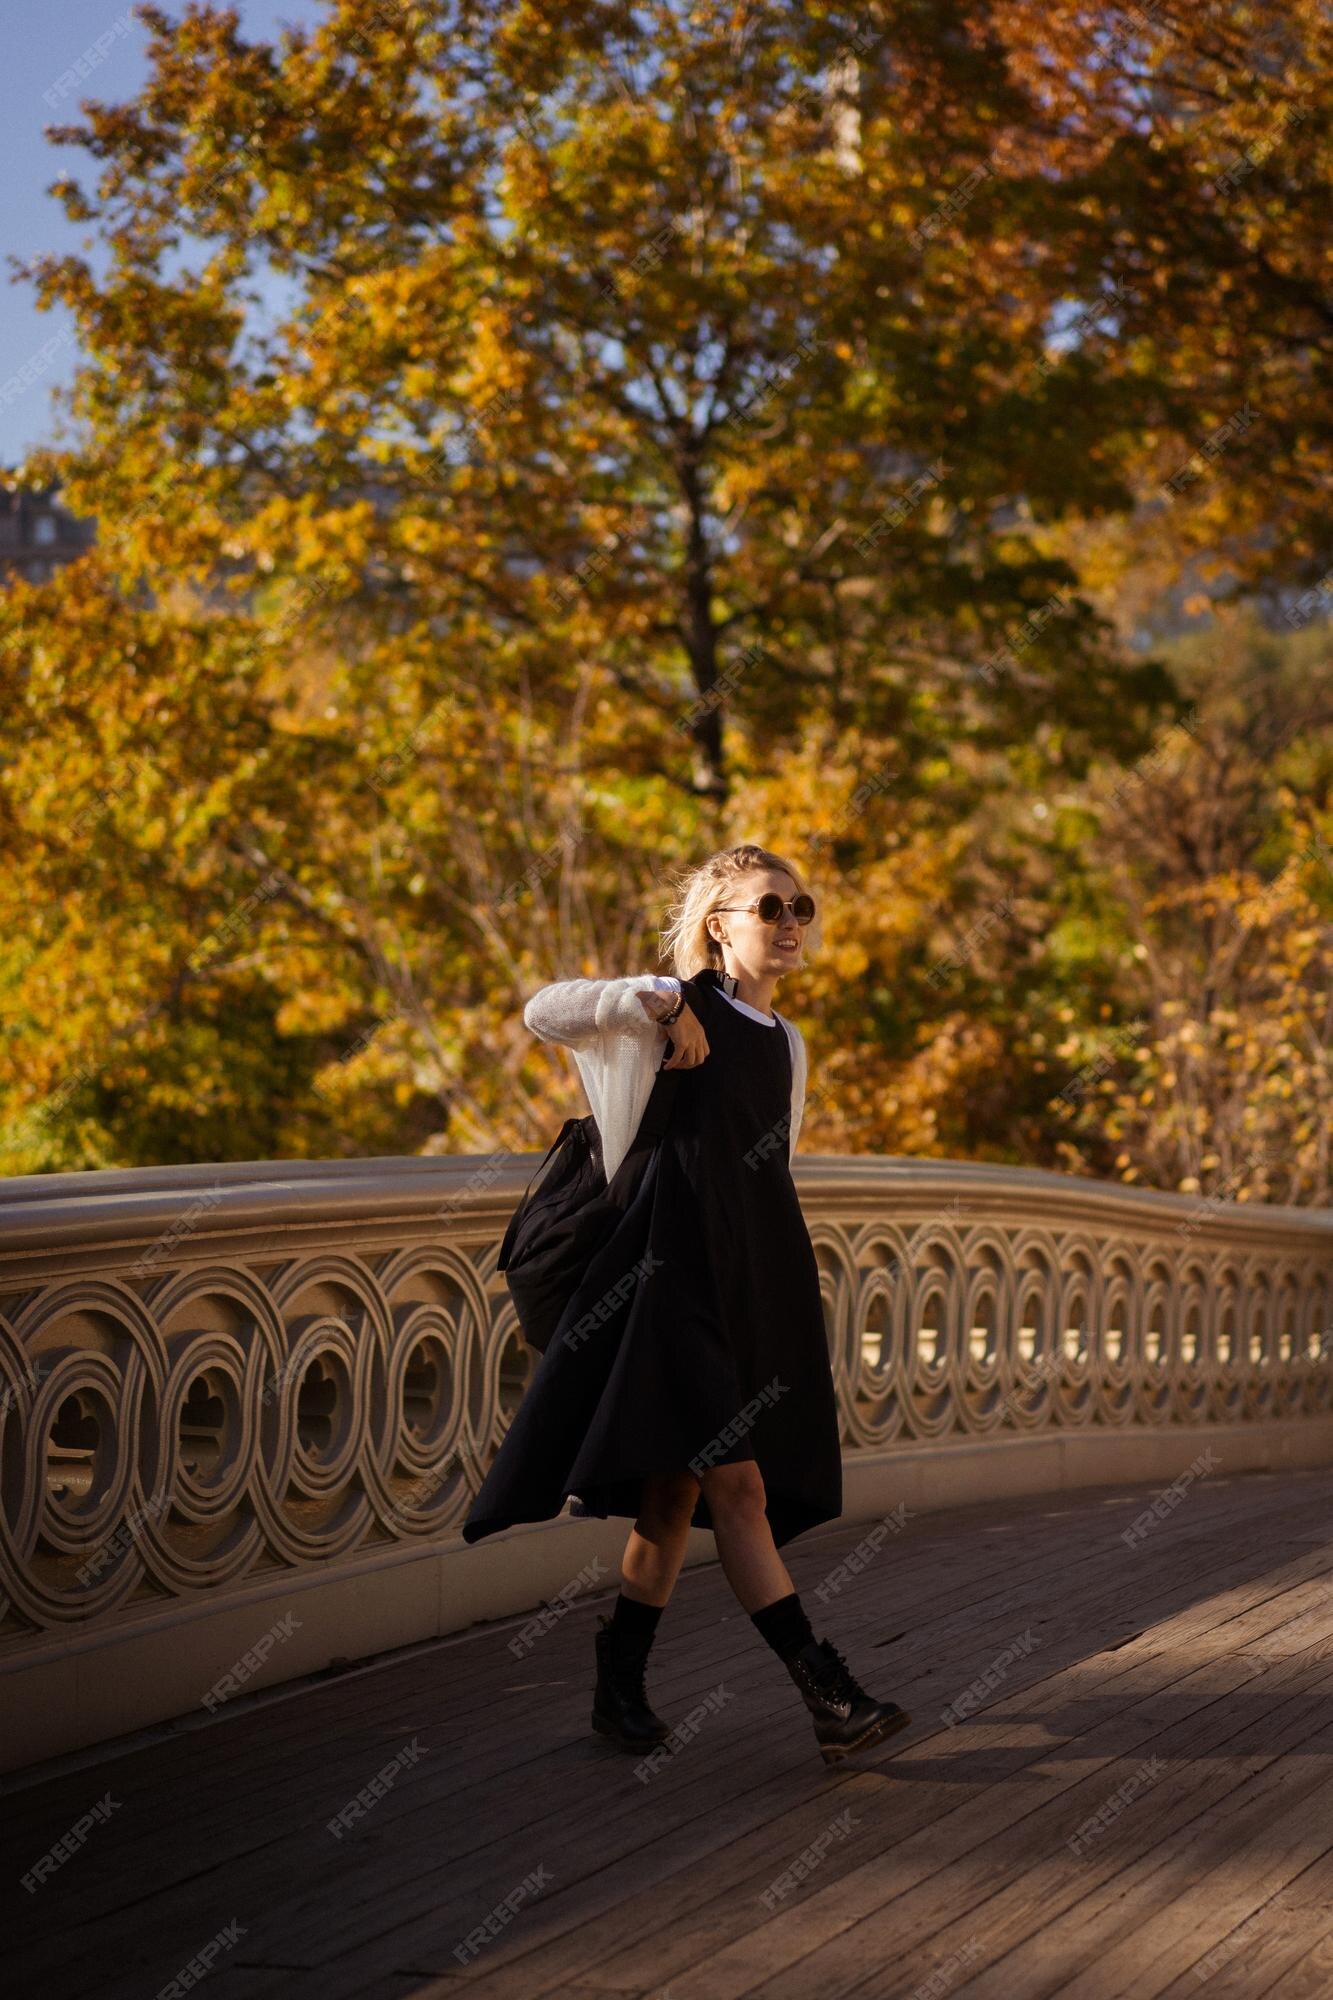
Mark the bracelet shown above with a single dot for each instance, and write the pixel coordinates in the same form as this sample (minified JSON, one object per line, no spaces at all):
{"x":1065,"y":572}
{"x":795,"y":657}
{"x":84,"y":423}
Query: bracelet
{"x":665,"y":1020}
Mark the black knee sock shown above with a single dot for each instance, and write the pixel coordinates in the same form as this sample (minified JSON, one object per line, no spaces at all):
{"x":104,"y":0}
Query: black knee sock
{"x":632,"y":1620}
{"x":784,"y":1625}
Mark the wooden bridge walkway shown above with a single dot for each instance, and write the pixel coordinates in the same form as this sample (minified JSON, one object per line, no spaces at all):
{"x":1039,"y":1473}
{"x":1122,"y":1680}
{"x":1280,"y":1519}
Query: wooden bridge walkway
{"x":1136,"y":1799}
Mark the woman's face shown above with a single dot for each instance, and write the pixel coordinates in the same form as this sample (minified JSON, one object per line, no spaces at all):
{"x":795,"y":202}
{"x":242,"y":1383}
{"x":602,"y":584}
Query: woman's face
{"x":750,"y":945}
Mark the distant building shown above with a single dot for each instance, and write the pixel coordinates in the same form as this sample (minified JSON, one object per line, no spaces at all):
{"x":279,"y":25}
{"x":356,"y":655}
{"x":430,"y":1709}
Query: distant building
{"x":37,"y":533}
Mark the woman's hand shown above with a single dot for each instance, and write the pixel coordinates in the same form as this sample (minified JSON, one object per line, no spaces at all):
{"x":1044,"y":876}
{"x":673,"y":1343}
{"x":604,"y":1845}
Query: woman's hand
{"x":688,"y":1040}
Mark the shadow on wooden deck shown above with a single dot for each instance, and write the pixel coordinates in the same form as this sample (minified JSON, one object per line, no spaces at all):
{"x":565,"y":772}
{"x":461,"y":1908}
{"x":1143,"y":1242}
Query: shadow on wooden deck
{"x":1136,"y":1798}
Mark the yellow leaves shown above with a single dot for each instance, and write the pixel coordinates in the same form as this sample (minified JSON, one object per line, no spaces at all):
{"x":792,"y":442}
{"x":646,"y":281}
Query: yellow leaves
{"x":482,"y":317}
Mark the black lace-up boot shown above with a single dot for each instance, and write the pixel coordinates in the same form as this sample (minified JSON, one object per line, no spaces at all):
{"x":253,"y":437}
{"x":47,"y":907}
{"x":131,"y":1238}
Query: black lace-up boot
{"x":846,"y":1717}
{"x":620,"y":1707}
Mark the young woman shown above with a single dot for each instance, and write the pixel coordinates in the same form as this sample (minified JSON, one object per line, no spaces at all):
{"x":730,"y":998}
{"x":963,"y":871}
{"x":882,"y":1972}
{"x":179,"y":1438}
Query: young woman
{"x":688,"y":1382}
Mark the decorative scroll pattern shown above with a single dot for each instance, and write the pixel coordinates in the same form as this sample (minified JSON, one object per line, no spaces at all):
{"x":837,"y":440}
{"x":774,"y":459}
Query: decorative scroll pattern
{"x":173,"y":1433}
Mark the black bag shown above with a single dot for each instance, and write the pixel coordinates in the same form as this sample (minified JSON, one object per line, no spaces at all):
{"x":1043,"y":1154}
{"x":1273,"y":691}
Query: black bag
{"x":558,"y":1227}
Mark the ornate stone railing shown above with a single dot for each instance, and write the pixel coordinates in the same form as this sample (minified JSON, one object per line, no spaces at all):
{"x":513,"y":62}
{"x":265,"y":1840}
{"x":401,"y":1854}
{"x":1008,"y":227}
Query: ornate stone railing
{"x":219,"y":1377}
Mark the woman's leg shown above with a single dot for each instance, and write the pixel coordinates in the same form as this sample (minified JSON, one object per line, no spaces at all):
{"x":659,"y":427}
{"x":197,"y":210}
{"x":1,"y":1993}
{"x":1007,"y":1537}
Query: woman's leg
{"x":846,"y":1718}
{"x":657,"y":1541}
{"x":750,"y":1561}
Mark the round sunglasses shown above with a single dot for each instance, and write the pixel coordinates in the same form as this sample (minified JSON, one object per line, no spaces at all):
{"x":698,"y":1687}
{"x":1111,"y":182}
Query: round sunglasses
{"x":770,"y":906}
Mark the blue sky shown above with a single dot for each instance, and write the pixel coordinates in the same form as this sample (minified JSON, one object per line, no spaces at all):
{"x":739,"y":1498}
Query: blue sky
{"x":42,"y":46}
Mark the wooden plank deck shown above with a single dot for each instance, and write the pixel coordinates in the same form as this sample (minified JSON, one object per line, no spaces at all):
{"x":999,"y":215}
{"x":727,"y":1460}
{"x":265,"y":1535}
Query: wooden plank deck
{"x":1139,"y":1805}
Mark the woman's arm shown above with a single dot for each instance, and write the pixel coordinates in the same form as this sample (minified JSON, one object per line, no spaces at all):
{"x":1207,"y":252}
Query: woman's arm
{"x":574,"y":1012}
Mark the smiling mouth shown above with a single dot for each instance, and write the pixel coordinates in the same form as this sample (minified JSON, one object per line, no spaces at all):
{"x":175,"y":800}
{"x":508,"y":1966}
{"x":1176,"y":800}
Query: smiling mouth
{"x":788,"y":945}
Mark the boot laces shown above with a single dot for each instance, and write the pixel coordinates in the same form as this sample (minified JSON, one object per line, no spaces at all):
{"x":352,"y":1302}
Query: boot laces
{"x":833,"y":1676}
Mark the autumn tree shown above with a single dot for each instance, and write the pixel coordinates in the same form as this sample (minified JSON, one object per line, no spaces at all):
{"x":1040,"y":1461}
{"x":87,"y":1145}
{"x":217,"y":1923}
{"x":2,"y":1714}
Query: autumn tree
{"x":669,"y":430}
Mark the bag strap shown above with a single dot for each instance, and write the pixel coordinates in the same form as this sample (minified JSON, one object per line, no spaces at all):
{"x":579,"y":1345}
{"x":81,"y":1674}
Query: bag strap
{"x":661,"y":1098}
{"x":652,"y":1124}
{"x":657,"y":1110}
{"x":508,"y":1243}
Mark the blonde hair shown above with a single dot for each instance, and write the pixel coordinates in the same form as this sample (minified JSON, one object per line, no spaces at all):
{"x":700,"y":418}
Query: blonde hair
{"x":686,"y":944}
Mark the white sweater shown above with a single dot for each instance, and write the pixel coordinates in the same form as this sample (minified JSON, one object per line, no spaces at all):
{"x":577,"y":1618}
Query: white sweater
{"x":617,"y":1048}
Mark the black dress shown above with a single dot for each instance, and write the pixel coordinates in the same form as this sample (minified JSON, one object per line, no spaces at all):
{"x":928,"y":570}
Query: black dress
{"x":697,"y":1336}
